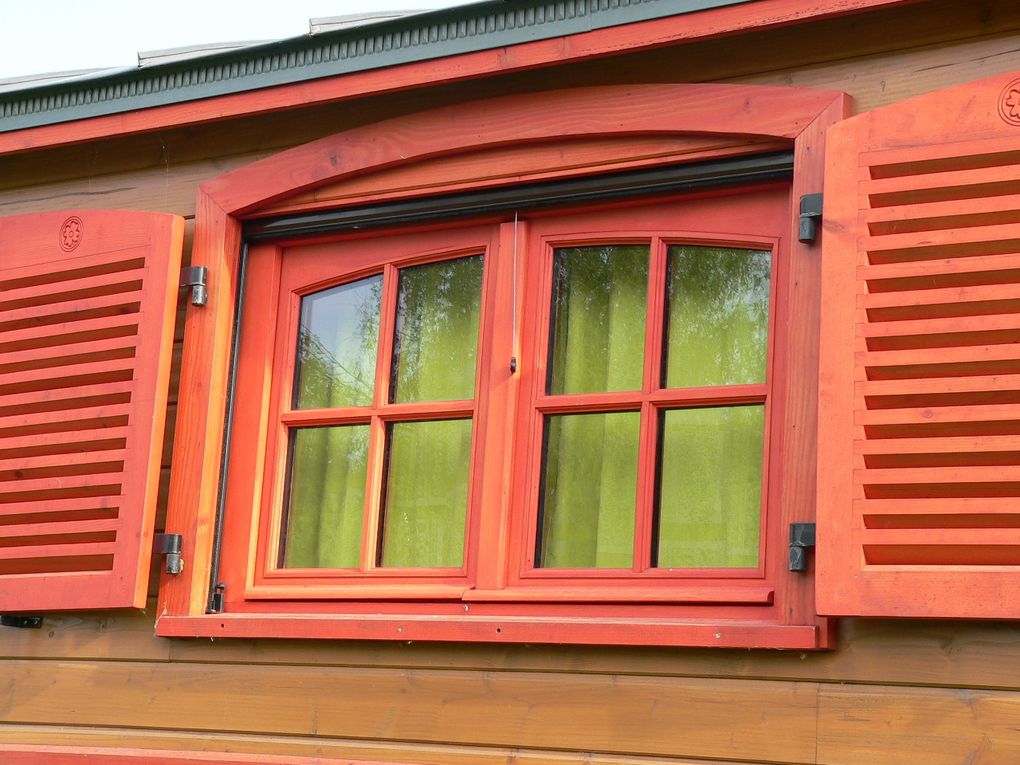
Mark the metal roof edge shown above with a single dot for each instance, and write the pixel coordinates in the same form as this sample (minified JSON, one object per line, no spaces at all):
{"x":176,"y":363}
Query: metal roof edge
{"x":416,"y":37}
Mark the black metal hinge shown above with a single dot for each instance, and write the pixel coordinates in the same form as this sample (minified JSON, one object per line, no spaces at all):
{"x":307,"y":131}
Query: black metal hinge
{"x":170,"y":545}
{"x":21,"y":622}
{"x":197,"y":278}
{"x":802,"y":537}
{"x":810,"y":216}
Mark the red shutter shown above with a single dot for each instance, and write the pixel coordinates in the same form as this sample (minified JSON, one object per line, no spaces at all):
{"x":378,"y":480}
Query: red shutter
{"x":87,"y":303}
{"x":919,"y":438}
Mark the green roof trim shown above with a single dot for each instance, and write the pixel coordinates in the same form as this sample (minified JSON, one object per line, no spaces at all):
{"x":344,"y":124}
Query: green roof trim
{"x":416,"y":37}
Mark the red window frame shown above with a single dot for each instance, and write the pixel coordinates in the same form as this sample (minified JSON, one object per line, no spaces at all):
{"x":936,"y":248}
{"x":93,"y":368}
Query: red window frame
{"x":753,"y":118}
{"x":500,"y":537}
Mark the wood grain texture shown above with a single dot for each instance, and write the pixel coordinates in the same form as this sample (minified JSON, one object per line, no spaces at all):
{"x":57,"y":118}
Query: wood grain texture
{"x":734,"y":719}
{"x":323,"y":746}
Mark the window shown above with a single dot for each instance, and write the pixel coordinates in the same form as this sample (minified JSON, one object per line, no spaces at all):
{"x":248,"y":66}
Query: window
{"x":552,"y":419}
{"x":634,"y":468}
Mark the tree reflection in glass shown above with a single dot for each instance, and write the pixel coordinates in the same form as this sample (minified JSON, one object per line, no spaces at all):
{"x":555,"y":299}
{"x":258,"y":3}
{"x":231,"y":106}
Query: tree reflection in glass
{"x":435,"y":341}
{"x":716,"y":316}
{"x":599,"y":303}
{"x":337,"y":344}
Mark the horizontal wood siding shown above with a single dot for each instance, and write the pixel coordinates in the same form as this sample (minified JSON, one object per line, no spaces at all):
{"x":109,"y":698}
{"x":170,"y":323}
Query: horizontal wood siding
{"x":893,"y":692}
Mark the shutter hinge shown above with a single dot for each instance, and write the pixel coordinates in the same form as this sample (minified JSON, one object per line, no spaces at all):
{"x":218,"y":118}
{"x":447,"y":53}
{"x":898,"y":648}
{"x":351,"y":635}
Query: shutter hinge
{"x":197,"y":278}
{"x":810,"y":215}
{"x":216,"y":601}
{"x":21,"y":622}
{"x":170,"y":545}
{"x":802,"y":536}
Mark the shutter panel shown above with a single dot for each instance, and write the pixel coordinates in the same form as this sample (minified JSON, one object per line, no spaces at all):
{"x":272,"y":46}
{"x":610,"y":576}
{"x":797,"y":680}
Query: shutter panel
{"x":919,"y":436}
{"x":87,"y":304}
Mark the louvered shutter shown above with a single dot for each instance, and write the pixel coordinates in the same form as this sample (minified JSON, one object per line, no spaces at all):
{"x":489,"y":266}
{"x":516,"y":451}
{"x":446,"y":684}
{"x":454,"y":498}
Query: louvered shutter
{"x":87,"y":304}
{"x":919,"y":437}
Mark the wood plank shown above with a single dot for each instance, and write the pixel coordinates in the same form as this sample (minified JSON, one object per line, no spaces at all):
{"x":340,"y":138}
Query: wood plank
{"x":679,"y":717}
{"x":320,"y":746}
{"x":862,"y":725}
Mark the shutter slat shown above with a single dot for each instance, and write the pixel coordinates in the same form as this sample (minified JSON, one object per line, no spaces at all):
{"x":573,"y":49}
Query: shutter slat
{"x":99,"y":506}
{"x":76,"y":353}
{"x":60,"y":460}
{"x":65,"y":441}
{"x":937,"y":414}
{"x":86,"y":337}
{"x":70,"y":333}
{"x":83,"y":549}
{"x":919,"y":448}
{"x":935,"y":215}
{"x":86,"y":397}
{"x":93,"y":306}
{"x":13,"y":427}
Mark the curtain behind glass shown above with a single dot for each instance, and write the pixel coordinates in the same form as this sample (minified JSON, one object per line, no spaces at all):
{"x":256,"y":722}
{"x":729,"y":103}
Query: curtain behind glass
{"x":597,"y":344}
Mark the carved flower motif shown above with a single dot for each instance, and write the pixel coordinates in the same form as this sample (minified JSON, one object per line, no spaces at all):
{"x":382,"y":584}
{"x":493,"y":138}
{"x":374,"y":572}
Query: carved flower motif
{"x":1012,"y":103}
{"x":71,"y":233}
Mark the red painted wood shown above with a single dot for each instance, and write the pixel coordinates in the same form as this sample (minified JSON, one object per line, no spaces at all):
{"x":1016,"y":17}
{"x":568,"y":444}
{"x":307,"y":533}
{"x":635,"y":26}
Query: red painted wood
{"x":596,"y":43}
{"x":635,"y":111}
{"x":919,"y":451}
{"x":82,"y":403}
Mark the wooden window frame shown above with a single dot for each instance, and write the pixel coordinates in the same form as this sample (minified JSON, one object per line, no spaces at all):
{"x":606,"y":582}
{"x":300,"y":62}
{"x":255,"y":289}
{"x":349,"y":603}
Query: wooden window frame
{"x":762,"y":116}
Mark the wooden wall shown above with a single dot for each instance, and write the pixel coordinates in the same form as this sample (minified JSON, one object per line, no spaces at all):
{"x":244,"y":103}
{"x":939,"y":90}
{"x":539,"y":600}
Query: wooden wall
{"x":894,"y":692}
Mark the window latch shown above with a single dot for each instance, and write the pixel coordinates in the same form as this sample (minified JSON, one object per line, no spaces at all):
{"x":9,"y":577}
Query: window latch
{"x":197,"y":278}
{"x":21,"y":622}
{"x":810,"y":215}
{"x":170,"y":545}
{"x":802,"y":536}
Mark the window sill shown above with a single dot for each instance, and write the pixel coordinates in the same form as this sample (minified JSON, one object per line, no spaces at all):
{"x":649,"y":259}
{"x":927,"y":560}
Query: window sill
{"x":495,"y":629}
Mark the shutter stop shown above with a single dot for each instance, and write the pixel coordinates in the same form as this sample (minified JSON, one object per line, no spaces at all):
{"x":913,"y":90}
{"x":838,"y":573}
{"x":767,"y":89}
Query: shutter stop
{"x":197,"y":278}
{"x":21,"y":622}
{"x":802,"y":536}
{"x":170,"y":545}
{"x":810,"y":215}
{"x":216,"y":601}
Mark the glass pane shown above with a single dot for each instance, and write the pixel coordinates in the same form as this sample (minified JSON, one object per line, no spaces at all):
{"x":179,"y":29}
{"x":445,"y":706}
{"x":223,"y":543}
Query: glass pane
{"x":599,"y":304}
{"x":326,"y":506}
{"x":717,"y":316}
{"x":426,"y":493}
{"x":589,"y":491}
{"x":337,"y":345}
{"x":710,"y":490}
{"x":436,"y":338}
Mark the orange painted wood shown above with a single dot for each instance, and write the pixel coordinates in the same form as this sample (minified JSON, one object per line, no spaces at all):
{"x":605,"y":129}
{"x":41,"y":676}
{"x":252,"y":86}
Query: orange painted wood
{"x":586,"y":46}
{"x":28,"y":754}
{"x":919,"y":454}
{"x":616,"y":114}
{"x":82,"y":403}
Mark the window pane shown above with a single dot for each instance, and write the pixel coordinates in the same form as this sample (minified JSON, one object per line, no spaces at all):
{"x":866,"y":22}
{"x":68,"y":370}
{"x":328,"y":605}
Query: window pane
{"x":426,"y":493}
{"x":326,"y":506}
{"x":710,"y":490}
{"x":337,"y":345}
{"x":717,"y":316}
{"x":436,"y":337}
{"x":589,"y":491}
{"x":599,"y":304}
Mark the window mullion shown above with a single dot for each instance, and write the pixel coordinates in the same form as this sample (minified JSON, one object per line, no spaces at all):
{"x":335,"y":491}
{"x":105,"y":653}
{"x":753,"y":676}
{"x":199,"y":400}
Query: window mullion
{"x":373,"y":493}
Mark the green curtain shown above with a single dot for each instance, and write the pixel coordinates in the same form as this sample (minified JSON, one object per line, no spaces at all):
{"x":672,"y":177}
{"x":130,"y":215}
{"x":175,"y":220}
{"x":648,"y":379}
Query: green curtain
{"x":710,"y":498}
{"x":435,"y":348}
{"x":337,"y":347}
{"x":590,"y":471}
